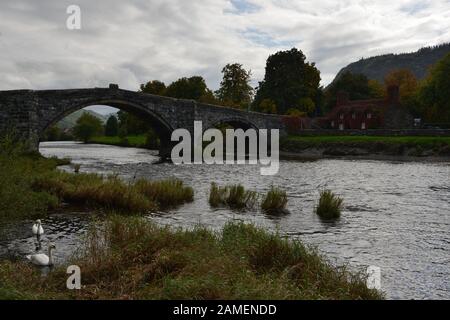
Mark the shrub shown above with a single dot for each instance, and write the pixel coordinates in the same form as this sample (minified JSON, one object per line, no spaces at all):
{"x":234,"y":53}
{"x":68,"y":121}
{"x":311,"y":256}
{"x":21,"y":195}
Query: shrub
{"x":329,"y":206}
{"x":233,"y":196}
{"x":274,"y":201}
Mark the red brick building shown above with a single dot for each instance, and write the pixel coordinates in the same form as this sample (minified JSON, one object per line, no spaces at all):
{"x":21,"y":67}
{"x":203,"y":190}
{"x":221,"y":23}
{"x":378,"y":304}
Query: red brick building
{"x":367,"y":114}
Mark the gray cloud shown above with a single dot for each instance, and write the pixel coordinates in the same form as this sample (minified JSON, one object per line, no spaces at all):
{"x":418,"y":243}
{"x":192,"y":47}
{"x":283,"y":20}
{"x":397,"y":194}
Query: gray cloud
{"x":131,"y":42}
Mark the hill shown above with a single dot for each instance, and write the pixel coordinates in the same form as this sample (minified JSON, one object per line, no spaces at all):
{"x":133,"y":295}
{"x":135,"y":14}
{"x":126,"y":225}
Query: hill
{"x":418,"y":62}
{"x":70,"y":121}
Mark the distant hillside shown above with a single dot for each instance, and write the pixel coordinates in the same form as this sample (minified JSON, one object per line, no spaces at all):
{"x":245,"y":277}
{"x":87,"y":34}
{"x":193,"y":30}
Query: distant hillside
{"x":70,"y":121}
{"x":418,"y":62}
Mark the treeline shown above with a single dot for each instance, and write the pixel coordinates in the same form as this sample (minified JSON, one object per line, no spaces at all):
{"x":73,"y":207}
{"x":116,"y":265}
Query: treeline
{"x":291,"y":86}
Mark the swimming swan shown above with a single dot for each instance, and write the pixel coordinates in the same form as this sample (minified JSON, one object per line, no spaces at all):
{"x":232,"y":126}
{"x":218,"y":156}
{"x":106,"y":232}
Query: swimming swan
{"x":37,"y":228}
{"x":41,"y":259}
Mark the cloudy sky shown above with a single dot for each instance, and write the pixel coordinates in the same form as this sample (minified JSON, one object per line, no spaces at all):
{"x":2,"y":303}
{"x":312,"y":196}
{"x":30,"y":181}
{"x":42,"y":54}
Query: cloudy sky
{"x":131,"y":42}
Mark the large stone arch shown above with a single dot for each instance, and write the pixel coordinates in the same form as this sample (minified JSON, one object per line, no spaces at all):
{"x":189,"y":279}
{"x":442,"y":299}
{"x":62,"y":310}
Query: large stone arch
{"x":161,"y":126}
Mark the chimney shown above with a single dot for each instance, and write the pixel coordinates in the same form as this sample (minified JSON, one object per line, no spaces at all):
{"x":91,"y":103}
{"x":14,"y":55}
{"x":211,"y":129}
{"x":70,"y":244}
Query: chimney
{"x":393,"y":94}
{"x":342,"y":98}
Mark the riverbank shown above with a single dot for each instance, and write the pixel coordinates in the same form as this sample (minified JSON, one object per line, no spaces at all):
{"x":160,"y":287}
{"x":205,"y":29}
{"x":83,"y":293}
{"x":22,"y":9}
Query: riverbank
{"x":132,"y":258}
{"x":133,"y":141}
{"x":402,"y":148}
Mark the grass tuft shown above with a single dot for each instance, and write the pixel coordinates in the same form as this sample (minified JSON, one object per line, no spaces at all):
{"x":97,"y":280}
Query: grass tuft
{"x":233,"y":196}
{"x":329,"y":206}
{"x":274,"y":201}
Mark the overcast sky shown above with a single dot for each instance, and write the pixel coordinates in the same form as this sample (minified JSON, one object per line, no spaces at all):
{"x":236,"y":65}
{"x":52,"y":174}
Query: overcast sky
{"x":131,"y":42}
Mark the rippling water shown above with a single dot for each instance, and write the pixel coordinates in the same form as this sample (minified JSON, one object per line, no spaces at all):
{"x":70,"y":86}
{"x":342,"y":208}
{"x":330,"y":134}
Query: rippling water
{"x":396,"y":216}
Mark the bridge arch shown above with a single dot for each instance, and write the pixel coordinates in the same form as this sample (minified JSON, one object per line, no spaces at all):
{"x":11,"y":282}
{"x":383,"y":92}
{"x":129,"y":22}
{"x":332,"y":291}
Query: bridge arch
{"x":162,"y":128}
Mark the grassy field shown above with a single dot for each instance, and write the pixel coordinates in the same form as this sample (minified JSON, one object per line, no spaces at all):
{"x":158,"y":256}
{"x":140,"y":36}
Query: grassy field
{"x":138,"y":141}
{"x":132,"y":258}
{"x":408,"y":140}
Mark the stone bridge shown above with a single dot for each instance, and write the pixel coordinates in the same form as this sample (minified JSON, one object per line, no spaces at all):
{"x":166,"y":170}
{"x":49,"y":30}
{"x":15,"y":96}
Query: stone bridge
{"x":30,"y":112}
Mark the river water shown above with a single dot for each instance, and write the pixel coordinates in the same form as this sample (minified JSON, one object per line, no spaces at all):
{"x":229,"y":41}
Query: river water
{"x":396,"y":216}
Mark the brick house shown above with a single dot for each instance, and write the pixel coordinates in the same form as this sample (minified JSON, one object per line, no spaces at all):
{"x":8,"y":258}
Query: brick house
{"x":367,"y":114}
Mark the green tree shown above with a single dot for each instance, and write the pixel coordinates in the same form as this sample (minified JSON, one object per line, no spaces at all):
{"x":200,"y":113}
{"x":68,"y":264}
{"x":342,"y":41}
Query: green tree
{"x":356,"y":85}
{"x":288,"y":79}
{"x":154,"y":87}
{"x":235,"y":89}
{"x":268,"y":106}
{"x":87,"y":126}
{"x":434,"y":93}
{"x":194,"y":88}
{"x":112,"y":126}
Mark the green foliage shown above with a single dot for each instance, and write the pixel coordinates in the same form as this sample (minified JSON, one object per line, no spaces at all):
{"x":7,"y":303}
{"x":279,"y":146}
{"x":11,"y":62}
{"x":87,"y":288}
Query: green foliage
{"x":87,"y":126}
{"x":154,"y":87}
{"x":274,"y":201}
{"x":193,"y":88}
{"x":356,"y":85}
{"x":133,"y":258}
{"x":235,"y":89}
{"x":434,"y":94}
{"x":112,"y":126}
{"x":288,"y":79}
{"x":268,"y":106}
{"x":233,"y":196}
{"x":329,"y":206}
{"x":166,"y":193}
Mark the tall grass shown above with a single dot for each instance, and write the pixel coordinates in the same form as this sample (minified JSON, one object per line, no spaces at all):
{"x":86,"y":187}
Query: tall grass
{"x":132,"y":258}
{"x":233,"y":196}
{"x":329,"y":206}
{"x":166,"y":193}
{"x":275,"y":200}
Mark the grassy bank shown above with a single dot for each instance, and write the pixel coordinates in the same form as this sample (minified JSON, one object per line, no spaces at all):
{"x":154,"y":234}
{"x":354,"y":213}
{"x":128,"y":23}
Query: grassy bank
{"x":136,"y":141}
{"x":132,"y":258}
{"x":415,"y":146}
{"x":31,"y":186}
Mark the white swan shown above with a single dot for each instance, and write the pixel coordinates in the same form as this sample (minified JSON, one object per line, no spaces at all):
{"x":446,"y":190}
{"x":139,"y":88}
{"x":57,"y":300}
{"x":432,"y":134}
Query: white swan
{"x":41,"y":259}
{"x":37,"y":228}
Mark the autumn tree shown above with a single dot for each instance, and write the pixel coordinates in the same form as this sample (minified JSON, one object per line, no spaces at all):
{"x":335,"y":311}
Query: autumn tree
{"x":288,"y":80}
{"x":406,"y":81}
{"x":235,"y":89}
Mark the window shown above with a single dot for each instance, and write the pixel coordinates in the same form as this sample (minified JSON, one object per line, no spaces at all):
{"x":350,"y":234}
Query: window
{"x":353,"y":115}
{"x":363,"y":126}
{"x":369,"y":116}
{"x":341,"y":116}
{"x":341,"y":126}
{"x":332,"y":124}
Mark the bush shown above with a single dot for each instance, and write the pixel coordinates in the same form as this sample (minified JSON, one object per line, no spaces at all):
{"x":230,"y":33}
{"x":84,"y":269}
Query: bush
{"x":329,"y":206}
{"x":274,"y":201}
{"x":233,"y":196}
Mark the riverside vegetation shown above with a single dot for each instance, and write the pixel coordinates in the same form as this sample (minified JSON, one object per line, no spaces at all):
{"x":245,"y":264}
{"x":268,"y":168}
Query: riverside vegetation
{"x":125,"y":256}
{"x":132,"y":258}
{"x":329,"y":206}
{"x":236,"y":197}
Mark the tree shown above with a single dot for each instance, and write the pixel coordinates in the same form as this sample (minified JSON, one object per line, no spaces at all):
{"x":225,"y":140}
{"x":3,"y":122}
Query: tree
{"x":235,"y":89}
{"x":154,"y":87}
{"x":288,"y":79}
{"x":406,"y":81}
{"x":356,"y":85}
{"x":434,"y":93}
{"x":376,"y":89}
{"x":268,"y":106}
{"x":112,"y":126}
{"x":87,"y":126}
{"x":194,"y":88}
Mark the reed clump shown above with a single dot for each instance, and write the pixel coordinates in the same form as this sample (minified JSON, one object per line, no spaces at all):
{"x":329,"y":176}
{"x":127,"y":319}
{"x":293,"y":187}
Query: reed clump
{"x":275,"y":201}
{"x":233,"y":196}
{"x":329,"y":206}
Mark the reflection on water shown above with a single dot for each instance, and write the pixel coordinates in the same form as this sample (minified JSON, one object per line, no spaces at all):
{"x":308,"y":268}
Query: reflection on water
{"x":397,"y":215}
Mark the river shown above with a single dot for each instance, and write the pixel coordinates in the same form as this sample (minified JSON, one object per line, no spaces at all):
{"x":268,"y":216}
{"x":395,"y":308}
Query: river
{"x":396,"y":216}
